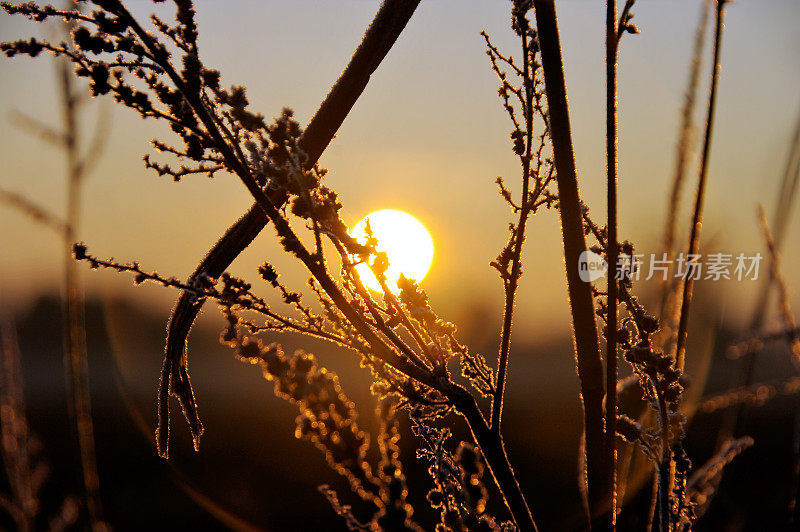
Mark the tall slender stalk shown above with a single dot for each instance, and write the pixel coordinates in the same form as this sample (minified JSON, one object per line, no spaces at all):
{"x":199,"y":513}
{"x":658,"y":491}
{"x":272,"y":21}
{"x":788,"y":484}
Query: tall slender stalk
{"x":612,"y":252}
{"x":667,"y":468}
{"x":587,"y":347}
{"x":684,"y":152}
{"x":75,"y":351}
{"x":697,"y":217}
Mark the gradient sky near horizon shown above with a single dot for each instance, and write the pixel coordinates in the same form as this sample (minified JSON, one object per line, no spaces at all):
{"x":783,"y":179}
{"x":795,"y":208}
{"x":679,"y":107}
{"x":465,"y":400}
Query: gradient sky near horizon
{"x":428,"y":137}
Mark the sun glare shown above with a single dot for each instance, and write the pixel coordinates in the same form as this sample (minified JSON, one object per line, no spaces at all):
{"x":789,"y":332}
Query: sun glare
{"x":405,"y":240}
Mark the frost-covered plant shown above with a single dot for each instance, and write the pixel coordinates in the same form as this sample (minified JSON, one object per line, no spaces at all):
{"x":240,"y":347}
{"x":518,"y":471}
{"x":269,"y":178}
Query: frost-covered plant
{"x":414,"y":355}
{"x":164,"y":78}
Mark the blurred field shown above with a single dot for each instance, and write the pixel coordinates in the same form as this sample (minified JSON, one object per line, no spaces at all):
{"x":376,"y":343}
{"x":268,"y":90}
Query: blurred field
{"x":251,"y":466}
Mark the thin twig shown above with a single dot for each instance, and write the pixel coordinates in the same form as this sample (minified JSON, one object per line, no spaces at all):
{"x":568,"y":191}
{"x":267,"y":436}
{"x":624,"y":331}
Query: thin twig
{"x":519,"y":239}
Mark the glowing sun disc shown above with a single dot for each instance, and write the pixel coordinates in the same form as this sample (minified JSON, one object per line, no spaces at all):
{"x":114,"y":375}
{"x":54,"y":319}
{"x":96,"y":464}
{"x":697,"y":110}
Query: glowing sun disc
{"x":407,"y":244}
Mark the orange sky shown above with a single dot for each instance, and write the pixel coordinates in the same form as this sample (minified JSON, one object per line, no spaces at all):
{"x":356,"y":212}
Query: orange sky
{"x":427,"y":137}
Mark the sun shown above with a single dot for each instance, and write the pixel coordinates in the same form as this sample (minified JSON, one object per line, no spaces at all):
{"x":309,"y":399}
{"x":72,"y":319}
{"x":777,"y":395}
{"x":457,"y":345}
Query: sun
{"x":408,"y":246}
